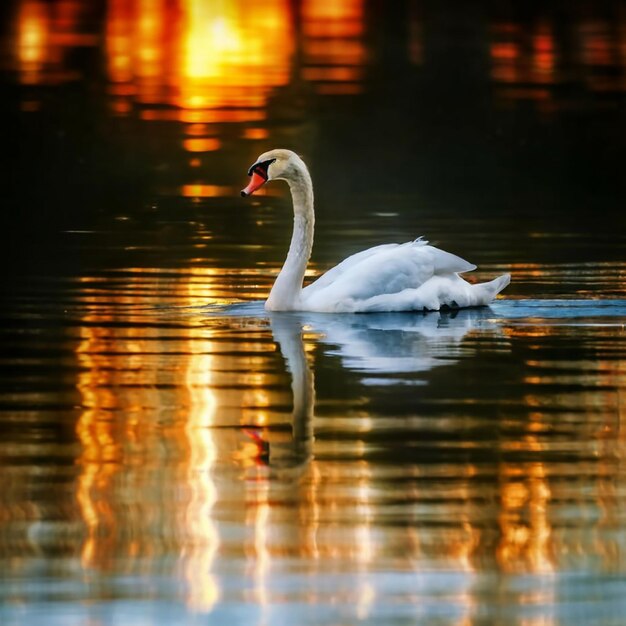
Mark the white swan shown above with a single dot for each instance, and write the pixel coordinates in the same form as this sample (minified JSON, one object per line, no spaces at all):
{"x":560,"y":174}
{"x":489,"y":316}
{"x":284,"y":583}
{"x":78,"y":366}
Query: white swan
{"x":390,"y":277}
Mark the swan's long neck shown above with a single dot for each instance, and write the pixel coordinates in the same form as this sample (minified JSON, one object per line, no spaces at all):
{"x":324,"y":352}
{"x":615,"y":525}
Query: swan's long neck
{"x":285,"y":294}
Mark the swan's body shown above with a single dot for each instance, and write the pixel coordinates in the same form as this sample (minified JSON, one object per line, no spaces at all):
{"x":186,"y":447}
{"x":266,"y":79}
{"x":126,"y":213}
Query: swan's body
{"x":390,"y":277}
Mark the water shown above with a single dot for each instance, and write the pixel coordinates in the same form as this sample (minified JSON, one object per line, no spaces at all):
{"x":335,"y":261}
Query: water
{"x":172,"y":454}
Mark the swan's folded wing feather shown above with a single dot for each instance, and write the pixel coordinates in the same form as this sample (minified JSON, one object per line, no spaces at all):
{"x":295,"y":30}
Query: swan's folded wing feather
{"x":448,"y":263}
{"x":384,"y":269}
{"x":333,"y":274}
{"x":416,"y":252}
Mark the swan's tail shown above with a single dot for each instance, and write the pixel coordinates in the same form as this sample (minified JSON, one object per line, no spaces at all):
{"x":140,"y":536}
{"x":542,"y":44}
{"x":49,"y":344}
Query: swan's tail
{"x":484,"y":293}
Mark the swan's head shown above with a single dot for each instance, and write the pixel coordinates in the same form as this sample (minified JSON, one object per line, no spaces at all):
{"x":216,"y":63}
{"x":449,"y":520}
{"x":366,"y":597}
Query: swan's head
{"x":276,"y":164}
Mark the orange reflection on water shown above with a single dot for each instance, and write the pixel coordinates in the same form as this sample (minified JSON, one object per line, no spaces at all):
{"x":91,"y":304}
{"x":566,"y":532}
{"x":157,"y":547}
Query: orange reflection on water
{"x":126,"y":390}
{"x":329,"y":18}
{"x":258,"y":553}
{"x":334,"y":52}
{"x":142,"y":48}
{"x":150,"y":399}
{"x":202,"y":536}
{"x":526,"y":61}
{"x":234,"y":52}
{"x":45,"y":34}
{"x":543,"y":58}
{"x":529,"y":62}
{"x":206,"y":191}
{"x":255,"y":133}
{"x":603,"y":47}
{"x":202,"y":144}
{"x":34,"y":25}
{"x":524,"y":520}
{"x":200,"y":56}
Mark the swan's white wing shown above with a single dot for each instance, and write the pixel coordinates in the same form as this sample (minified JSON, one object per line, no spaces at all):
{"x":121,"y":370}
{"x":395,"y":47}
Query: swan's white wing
{"x":332,"y":274}
{"x":386,"y":269}
{"x":448,"y":263}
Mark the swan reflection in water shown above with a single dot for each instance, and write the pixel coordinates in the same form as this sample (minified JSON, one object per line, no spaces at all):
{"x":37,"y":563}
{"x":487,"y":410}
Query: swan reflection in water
{"x":378,"y":346}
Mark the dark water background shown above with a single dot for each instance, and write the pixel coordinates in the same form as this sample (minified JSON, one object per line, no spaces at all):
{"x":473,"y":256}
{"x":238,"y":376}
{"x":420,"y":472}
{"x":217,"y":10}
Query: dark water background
{"x":170,"y":454}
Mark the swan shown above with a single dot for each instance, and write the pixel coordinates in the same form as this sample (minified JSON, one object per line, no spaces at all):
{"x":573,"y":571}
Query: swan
{"x":412,"y":276}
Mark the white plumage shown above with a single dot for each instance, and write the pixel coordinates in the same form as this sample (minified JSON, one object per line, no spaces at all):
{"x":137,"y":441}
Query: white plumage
{"x":389,"y":277}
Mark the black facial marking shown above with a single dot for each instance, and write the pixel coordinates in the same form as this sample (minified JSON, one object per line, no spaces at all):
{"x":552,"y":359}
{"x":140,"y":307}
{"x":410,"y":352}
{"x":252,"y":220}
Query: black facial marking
{"x":260,"y":168}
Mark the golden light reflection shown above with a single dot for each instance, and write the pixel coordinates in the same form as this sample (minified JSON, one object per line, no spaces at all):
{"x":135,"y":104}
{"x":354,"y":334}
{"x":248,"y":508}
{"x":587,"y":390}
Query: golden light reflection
{"x":531,"y":62}
{"x":165,"y":409}
{"x":543,"y":57}
{"x":123,"y":400}
{"x":150,"y":398}
{"x":212,"y":38}
{"x":234,"y":53}
{"x":209,"y":62}
{"x":198,"y":56}
{"x":148,"y":418}
{"x":202,"y":144}
{"x":259,"y":553}
{"x":34,"y":26}
{"x":202,"y":536}
{"x":255,"y":133}
{"x":523,"y":62}
{"x":524,"y":521}
{"x":205,"y":191}
{"x":119,"y":46}
{"x":46,"y":32}
{"x":334,"y":52}
{"x":363,"y":537}
{"x":602,"y":48}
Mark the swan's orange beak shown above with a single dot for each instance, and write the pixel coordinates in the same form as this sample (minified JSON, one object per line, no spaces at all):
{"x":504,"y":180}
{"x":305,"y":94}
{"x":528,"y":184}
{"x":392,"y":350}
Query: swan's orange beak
{"x":256,"y":181}
{"x":258,"y":176}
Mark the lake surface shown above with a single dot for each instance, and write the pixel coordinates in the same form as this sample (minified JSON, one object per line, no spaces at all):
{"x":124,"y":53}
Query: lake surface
{"x":172,"y":454}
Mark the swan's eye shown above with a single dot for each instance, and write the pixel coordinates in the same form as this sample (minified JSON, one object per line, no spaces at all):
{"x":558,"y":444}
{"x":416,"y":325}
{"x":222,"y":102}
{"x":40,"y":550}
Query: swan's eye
{"x":261,"y":168}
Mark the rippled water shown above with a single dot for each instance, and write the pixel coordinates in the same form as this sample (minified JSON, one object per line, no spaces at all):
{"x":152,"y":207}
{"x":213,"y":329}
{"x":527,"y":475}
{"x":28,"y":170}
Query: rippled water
{"x":163,"y":458}
{"x":172,"y":454}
